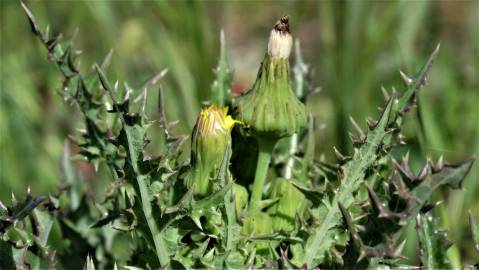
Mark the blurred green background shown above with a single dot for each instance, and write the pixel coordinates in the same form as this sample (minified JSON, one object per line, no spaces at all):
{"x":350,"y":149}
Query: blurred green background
{"x":354,"y":47}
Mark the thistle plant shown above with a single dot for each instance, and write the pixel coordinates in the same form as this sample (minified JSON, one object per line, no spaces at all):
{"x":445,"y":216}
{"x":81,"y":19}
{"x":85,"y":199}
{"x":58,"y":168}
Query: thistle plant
{"x":165,"y":211}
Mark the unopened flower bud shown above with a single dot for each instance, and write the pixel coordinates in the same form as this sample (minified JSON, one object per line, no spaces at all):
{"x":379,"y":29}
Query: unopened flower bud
{"x":210,"y":144}
{"x":291,"y":202}
{"x":270,"y":107}
{"x":258,"y":224}
{"x":241,"y":198}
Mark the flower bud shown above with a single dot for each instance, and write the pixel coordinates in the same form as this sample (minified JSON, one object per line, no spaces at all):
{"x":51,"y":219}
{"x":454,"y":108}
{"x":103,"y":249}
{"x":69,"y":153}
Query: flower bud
{"x":241,"y":198}
{"x":270,"y":107}
{"x":210,"y":144}
{"x":258,"y":224}
{"x":291,"y":202}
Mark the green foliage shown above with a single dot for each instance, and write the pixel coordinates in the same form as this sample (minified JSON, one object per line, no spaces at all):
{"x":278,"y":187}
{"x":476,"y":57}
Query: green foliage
{"x":291,"y":202}
{"x":433,"y":243}
{"x":475,"y":230}
{"x":221,"y":88}
{"x":313,"y":214}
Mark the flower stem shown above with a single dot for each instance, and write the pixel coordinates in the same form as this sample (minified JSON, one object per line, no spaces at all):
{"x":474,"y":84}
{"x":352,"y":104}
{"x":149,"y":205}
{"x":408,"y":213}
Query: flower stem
{"x":266,"y":147}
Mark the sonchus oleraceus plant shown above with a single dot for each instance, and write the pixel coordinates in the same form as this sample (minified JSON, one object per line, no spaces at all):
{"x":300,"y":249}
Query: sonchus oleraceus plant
{"x":210,"y":211}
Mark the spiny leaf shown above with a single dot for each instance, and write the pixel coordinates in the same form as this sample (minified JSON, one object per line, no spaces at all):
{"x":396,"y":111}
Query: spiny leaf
{"x":433,"y":243}
{"x":221,"y":88}
{"x":309,"y":152}
{"x":417,"y":83}
{"x":451,"y":175}
{"x":213,"y":199}
{"x":416,"y":197}
{"x":131,"y":136}
{"x":70,"y":178}
{"x":19,"y":210}
{"x":301,"y":71}
{"x":407,"y":80}
{"x":352,"y":174}
{"x":31,"y":20}
{"x":474,"y":230}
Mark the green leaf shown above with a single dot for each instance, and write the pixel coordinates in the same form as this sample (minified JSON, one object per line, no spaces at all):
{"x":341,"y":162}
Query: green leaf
{"x":32,"y":21}
{"x":416,"y":84}
{"x":36,"y":262}
{"x":451,"y":175}
{"x":172,"y":239}
{"x":69,"y":177}
{"x":353,"y":173}
{"x":212,"y":200}
{"x":433,"y":243}
{"x":309,"y":152}
{"x":301,"y":71}
{"x":474,"y":230}
{"x":132,"y":137}
{"x":235,"y":261}
{"x":7,"y":261}
{"x":19,"y":210}
{"x":221,"y":88}
{"x":44,"y":223}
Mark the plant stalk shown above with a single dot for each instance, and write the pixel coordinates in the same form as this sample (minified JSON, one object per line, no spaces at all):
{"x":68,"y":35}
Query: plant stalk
{"x":266,"y":146}
{"x":160,"y":245}
{"x":229,"y":203}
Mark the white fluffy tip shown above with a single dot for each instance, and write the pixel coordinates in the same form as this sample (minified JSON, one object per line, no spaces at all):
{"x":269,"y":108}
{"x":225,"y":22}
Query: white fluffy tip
{"x":280,"y":44}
